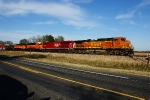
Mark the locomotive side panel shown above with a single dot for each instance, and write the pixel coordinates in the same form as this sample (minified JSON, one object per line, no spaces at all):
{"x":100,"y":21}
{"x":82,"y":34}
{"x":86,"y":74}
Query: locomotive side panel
{"x":107,"y":45}
{"x":39,"y":46}
{"x":92,"y":44}
{"x":97,"y":44}
{"x":51,"y":45}
{"x":31,"y":46}
{"x":58,"y":45}
{"x":66,"y":44}
{"x":19,"y":47}
{"x":47,"y":45}
{"x":63,"y":46}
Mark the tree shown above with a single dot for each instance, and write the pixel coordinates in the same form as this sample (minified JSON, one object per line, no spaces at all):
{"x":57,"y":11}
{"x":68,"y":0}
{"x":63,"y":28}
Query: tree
{"x":59,"y":38}
{"x":46,"y":38}
{"x":1,"y":42}
{"x":39,"y":38}
{"x":35,"y":39}
{"x":8,"y":42}
{"x":24,"y":41}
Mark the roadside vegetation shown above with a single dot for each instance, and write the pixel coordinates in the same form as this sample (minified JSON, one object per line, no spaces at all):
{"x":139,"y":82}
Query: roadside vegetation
{"x":98,"y":61}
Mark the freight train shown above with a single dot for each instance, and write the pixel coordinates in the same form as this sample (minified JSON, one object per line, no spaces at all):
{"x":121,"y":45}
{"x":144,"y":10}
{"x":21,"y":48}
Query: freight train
{"x":111,"y":46}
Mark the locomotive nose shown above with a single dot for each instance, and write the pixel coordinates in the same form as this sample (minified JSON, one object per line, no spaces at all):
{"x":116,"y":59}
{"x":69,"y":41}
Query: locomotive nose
{"x":131,"y":46}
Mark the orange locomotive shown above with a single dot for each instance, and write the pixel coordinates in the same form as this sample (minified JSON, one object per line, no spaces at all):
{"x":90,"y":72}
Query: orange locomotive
{"x":34,"y":46}
{"x":114,"y":46}
{"x":30,"y":46}
{"x":19,"y":47}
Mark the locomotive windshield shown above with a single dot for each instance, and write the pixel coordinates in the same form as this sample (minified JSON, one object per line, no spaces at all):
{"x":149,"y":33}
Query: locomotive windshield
{"x":116,"y":40}
{"x":123,"y":39}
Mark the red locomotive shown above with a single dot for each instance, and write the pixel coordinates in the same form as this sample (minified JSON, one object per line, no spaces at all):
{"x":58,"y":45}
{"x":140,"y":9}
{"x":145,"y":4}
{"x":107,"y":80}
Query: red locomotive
{"x":63,"y":46}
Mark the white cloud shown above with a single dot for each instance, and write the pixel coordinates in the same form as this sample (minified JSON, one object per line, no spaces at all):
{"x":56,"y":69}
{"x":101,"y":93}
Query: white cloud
{"x":143,"y":3}
{"x":135,"y":10}
{"x":133,"y":23}
{"x":99,"y":17}
{"x":113,"y":29}
{"x":128,"y":15}
{"x":65,"y":12}
{"x":128,"y":22}
{"x":80,"y":23}
{"x":47,"y":22}
{"x":78,"y":1}
{"x":52,"y":9}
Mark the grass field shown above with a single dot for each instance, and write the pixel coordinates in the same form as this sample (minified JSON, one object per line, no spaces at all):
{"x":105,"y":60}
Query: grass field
{"x":86,"y":61}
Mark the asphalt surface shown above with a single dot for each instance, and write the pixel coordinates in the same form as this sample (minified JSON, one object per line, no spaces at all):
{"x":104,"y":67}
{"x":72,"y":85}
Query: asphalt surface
{"x":56,"y":82}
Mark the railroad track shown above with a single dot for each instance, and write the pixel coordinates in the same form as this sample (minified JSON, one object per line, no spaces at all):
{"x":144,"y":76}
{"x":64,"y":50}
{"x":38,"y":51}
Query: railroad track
{"x":140,"y":58}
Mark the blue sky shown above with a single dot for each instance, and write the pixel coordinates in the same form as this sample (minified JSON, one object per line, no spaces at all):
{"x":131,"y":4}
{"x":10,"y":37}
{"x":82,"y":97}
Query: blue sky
{"x":76,"y":20}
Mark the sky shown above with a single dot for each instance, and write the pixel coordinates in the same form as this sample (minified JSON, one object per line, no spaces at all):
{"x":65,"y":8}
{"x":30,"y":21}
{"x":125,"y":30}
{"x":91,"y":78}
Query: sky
{"x":76,"y":20}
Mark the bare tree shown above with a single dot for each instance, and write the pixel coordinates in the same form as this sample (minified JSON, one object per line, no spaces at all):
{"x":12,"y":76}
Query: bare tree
{"x":35,"y":39}
{"x":59,"y":38}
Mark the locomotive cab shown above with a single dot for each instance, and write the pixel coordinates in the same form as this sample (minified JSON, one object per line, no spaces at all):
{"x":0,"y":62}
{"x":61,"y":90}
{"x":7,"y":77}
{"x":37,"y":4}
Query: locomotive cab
{"x":121,"y":42}
{"x":123,"y":46}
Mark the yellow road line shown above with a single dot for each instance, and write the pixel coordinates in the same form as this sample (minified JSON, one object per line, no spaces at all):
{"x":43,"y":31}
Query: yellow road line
{"x":72,"y":81}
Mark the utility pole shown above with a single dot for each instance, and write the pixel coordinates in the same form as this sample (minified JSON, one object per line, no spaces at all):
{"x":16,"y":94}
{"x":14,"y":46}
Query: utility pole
{"x":148,"y":60}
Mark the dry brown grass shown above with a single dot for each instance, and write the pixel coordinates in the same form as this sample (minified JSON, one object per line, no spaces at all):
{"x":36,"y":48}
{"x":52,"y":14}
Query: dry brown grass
{"x":92,"y":61}
{"x":140,"y":53}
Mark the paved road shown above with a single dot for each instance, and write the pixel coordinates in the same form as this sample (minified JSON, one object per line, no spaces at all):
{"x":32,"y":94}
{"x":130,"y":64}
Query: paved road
{"x":63,"y":83}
